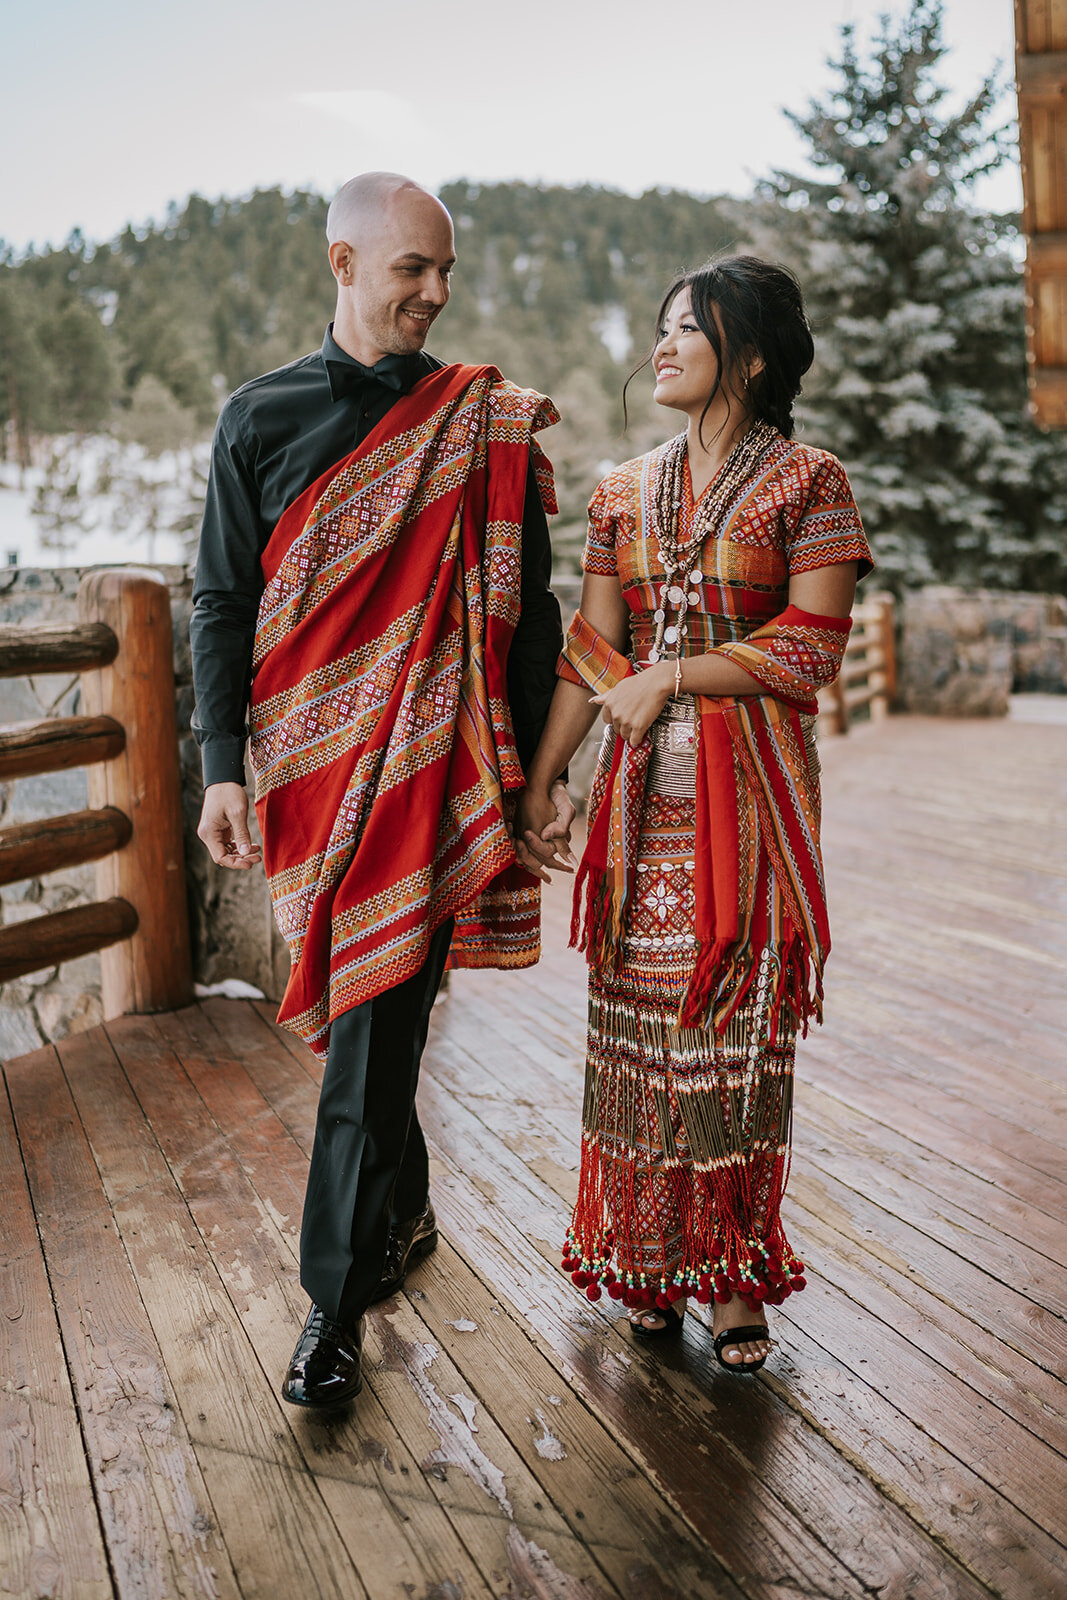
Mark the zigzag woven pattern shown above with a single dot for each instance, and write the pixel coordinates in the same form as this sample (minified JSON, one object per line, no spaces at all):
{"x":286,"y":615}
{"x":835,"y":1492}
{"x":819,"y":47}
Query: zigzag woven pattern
{"x":381,"y":736}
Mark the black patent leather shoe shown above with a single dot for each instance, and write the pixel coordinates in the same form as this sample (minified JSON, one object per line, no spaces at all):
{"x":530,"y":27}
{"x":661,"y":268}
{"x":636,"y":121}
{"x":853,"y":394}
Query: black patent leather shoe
{"x":325,"y":1368}
{"x":408,"y":1242}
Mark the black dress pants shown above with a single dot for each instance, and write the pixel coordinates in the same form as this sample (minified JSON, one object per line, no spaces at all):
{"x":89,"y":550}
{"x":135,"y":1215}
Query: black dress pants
{"x":369,"y":1166}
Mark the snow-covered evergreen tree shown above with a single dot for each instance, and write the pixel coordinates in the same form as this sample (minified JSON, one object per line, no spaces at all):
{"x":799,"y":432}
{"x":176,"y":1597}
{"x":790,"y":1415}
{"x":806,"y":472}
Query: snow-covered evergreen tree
{"x":916,"y":299}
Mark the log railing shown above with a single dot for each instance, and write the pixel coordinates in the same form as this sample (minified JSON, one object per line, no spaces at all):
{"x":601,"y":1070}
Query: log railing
{"x":132,"y":828}
{"x":869,"y":673}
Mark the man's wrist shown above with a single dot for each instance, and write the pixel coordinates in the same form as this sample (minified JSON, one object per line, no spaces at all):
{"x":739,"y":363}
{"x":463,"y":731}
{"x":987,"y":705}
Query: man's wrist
{"x":223,"y":762}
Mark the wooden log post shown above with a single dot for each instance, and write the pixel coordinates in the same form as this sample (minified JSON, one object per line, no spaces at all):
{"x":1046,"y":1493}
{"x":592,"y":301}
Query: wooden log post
{"x":152,"y":970}
{"x":30,"y":849}
{"x":887,"y":627}
{"x":834,"y":707}
{"x":63,"y":936}
{"x":55,"y":648}
{"x":57,"y":743}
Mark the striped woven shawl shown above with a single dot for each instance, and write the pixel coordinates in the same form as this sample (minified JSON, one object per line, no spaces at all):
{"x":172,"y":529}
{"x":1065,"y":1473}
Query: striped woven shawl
{"x":759,"y":876}
{"x":381,"y":736}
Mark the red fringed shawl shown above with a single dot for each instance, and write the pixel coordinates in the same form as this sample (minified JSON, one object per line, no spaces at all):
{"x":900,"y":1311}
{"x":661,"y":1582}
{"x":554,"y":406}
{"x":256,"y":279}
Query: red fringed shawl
{"x":381,"y":737}
{"x":759,"y":878}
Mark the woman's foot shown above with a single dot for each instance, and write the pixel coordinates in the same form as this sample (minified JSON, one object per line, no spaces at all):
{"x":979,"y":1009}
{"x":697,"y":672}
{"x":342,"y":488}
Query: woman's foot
{"x":736,"y":1314}
{"x":650,"y":1320}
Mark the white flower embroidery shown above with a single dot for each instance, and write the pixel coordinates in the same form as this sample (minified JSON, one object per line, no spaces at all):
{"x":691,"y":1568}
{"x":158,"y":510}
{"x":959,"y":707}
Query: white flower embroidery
{"x":661,"y":901}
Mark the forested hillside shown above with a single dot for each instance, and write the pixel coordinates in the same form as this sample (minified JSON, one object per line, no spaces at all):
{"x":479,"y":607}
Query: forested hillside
{"x":148,"y":334}
{"x":916,"y":299}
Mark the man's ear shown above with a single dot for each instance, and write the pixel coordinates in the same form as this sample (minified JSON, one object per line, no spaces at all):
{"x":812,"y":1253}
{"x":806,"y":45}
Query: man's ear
{"x":342,"y":261}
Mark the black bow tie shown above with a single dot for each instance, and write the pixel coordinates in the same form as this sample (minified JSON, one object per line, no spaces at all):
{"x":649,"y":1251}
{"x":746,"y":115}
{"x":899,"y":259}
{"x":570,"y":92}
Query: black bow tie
{"x":349,"y":377}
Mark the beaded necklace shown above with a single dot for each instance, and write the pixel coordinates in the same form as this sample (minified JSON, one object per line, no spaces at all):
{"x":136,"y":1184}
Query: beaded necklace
{"x":681,"y":566}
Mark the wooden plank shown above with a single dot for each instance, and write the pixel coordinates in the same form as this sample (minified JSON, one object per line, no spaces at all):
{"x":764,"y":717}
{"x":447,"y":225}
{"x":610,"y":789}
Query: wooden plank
{"x":936,"y":1270}
{"x":749,"y":1487}
{"x":782,"y":1544}
{"x":157,"y":1516}
{"x":277,"y":1168}
{"x":904,"y":1444}
{"x":460,"y":1072}
{"x":840,"y":1252}
{"x":875,"y":1145}
{"x":964,"y":1437}
{"x":55,"y":648}
{"x":229,"y":1213}
{"x":58,"y":936}
{"x":401,"y":1364}
{"x":481,"y":1100}
{"x":1028,"y":1168}
{"x":400,"y":1376}
{"x":562,"y":1440}
{"x":1046,"y":254}
{"x":57,"y":743}
{"x":999,"y":1546}
{"x":30,"y":849}
{"x":50,"y":1539}
{"x":230,"y":1329}
{"x":1048,"y":389}
{"x":1042,"y":76}
{"x":997,"y":1453}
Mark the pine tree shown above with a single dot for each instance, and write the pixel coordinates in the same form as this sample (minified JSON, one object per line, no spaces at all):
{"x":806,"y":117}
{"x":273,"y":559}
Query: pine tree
{"x":916,"y":300}
{"x":26,"y":374}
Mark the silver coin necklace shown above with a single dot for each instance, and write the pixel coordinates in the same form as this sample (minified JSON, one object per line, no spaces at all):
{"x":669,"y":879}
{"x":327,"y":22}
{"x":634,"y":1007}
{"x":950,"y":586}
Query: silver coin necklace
{"x":682,"y":575}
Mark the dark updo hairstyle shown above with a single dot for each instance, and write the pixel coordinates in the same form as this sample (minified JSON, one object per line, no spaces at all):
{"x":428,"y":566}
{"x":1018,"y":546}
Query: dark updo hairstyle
{"x":762,"y":309}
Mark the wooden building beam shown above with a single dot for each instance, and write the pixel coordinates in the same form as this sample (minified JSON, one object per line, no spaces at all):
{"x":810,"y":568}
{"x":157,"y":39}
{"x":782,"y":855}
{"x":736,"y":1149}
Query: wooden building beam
{"x":1041,"y":76}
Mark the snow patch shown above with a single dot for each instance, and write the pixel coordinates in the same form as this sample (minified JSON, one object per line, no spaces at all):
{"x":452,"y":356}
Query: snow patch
{"x":229,"y":989}
{"x":613,"y":331}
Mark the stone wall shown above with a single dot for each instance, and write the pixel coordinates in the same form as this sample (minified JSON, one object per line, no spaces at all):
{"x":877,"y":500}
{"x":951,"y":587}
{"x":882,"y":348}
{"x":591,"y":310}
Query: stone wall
{"x":232,"y":929}
{"x":964,"y":651}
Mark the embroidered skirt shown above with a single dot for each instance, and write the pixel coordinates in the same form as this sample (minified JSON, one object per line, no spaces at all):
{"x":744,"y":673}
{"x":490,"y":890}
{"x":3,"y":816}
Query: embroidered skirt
{"x":685,"y":1136}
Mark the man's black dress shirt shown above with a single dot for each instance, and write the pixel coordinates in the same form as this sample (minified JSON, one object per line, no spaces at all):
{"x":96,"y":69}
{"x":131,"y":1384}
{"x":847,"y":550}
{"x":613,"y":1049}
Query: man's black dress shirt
{"x":274,"y":437}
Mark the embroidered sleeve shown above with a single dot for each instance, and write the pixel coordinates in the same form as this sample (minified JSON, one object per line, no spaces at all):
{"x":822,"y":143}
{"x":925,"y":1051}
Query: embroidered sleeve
{"x":588,"y":658}
{"x":829,"y":529}
{"x":794,"y":655}
{"x":599,"y":555}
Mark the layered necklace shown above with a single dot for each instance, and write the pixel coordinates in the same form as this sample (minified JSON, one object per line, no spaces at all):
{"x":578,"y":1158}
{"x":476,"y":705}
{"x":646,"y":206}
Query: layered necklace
{"x":681,"y":564}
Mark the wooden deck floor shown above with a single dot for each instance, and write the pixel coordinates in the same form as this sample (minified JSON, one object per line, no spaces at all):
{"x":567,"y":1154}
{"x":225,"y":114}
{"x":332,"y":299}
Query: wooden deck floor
{"x":909,"y":1439}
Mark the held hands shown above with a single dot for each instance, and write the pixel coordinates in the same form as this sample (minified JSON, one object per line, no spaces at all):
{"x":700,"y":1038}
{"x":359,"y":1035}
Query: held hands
{"x":224,"y":827}
{"x":542,"y":830}
{"x":634,"y":704}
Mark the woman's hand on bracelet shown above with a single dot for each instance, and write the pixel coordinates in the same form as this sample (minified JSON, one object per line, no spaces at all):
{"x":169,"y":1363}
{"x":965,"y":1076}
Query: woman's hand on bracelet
{"x":634,"y":704}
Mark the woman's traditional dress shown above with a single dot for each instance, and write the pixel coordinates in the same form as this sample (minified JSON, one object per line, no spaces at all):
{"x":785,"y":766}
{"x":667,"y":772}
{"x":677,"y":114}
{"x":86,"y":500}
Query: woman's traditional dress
{"x":704,"y":909}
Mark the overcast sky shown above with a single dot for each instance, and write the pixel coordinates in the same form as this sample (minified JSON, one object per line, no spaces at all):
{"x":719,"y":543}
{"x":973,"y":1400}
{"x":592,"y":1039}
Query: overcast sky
{"x":113,"y":108}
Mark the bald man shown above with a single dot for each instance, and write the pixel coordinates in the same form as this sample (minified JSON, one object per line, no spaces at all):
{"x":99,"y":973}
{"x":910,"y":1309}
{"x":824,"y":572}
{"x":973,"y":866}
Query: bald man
{"x":373,"y":587}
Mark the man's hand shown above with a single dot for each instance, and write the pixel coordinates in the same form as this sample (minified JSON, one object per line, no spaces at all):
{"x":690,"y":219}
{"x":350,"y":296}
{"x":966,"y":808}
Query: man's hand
{"x":542,"y":830}
{"x":224,"y":827}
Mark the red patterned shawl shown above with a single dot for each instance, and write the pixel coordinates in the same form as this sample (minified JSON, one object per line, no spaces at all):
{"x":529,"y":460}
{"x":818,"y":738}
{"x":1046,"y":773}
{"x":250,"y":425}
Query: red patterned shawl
{"x":759,"y":878}
{"x":381,"y":736}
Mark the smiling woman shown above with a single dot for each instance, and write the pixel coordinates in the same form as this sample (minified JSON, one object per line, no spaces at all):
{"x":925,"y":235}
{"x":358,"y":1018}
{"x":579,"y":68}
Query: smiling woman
{"x":720,"y":571}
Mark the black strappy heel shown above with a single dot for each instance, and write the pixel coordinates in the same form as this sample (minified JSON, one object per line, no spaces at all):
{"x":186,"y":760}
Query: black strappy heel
{"x":672,"y":1322}
{"x":745,"y":1335}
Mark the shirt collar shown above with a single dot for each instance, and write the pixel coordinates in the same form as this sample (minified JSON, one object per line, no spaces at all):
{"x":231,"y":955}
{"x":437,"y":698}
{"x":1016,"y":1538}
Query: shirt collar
{"x":346,"y":374}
